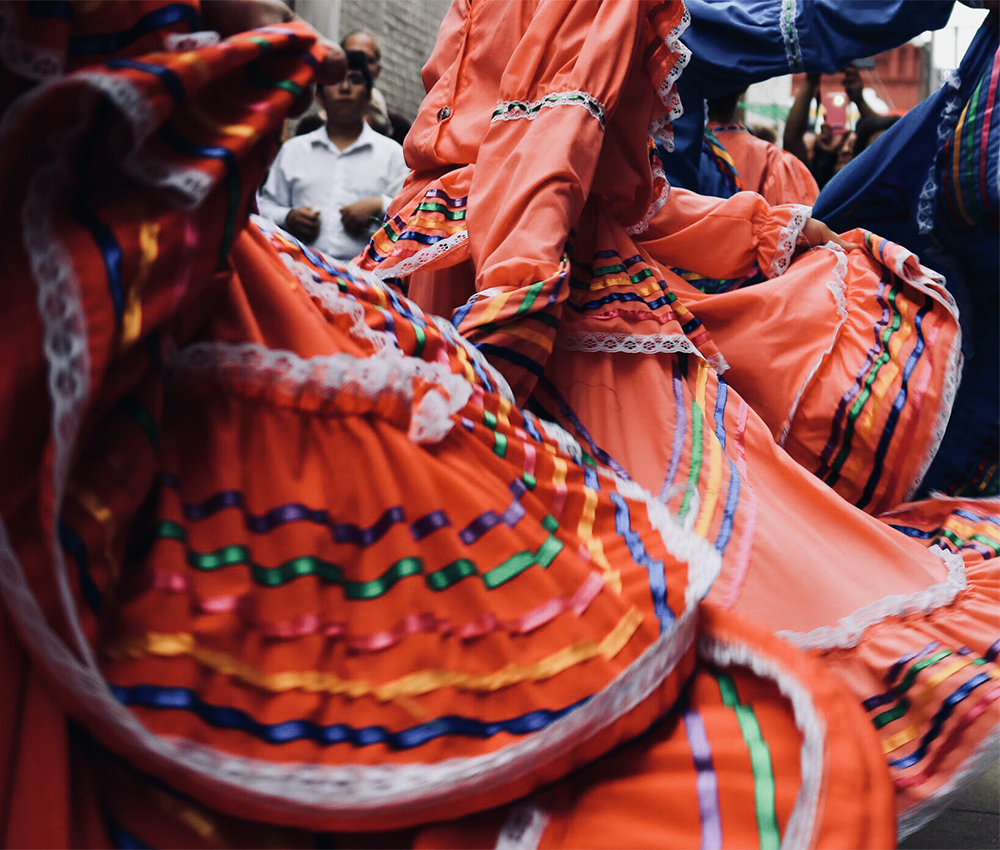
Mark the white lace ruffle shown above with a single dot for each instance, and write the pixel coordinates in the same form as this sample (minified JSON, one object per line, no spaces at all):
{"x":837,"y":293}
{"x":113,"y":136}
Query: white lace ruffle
{"x":802,"y":823}
{"x":837,"y":288}
{"x":790,"y":35}
{"x":26,"y":60}
{"x":625,"y":343}
{"x":388,"y":372}
{"x":656,"y":170}
{"x":512,"y":110}
{"x":524,"y":827}
{"x":946,"y":126}
{"x":659,"y":129}
{"x":788,"y":240}
{"x":424,"y":256}
{"x":849,"y":631}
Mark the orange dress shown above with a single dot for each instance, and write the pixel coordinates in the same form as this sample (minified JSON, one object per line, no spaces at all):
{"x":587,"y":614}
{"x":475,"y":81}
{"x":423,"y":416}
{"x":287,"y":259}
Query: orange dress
{"x":777,"y":175}
{"x":278,"y":552}
{"x":763,"y":417}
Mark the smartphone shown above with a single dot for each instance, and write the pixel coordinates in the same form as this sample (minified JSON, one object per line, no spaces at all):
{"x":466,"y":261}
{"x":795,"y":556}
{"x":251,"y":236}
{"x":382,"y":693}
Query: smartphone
{"x":836,"y":104}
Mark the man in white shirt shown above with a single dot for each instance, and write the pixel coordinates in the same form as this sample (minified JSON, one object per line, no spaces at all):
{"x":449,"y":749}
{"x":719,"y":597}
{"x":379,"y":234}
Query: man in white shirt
{"x":330,"y":188}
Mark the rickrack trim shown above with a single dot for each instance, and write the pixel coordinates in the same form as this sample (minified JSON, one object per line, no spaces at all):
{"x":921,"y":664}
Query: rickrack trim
{"x":511,"y":110}
{"x":790,"y":35}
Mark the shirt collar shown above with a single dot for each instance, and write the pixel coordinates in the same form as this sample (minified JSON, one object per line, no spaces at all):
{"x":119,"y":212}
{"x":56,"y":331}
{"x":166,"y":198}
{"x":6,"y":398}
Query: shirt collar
{"x":366,"y":139}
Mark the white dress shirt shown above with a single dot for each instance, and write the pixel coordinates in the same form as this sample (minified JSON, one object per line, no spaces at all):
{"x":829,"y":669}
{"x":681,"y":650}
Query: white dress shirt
{"x":310,"y":171}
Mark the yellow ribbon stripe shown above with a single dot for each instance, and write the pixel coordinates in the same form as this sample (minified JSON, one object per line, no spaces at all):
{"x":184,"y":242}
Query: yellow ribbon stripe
{"x":149,"y":234}
{"x":411,"y":685}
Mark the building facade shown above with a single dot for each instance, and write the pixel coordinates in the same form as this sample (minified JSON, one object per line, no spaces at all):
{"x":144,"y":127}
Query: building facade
{"x":406,"y":31}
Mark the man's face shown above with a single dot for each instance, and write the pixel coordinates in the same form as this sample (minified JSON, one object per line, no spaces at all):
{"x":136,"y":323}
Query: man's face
{"x":346,"y":102}
{"x":366,"y":44}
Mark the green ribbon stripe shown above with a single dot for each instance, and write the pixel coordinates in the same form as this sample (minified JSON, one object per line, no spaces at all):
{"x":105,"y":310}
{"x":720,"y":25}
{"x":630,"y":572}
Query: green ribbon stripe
{"x":450,"y":214}
{"x":143,"y":417}
{"x":421,"y":336}
{"x":903,"y":706}
{"x":529,"y":298}
{"x":760,"y":759}
{"x":970,"y":150}
{"x":258,"y":78}
{"x":308,"y":565}
{"x":695,"y":471}
{"x":499,"y":444}
{"x":866,"y":391}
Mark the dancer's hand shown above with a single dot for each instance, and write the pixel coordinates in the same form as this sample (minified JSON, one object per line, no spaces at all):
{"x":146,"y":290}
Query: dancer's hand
{"x":815,"y":233}
{"x":229,"y":17}
{"x":304,"y":223}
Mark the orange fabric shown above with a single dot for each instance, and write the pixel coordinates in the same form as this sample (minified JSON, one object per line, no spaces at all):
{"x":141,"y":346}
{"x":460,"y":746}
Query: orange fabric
{"x":780,"y":177}
{"x":650,"y":779}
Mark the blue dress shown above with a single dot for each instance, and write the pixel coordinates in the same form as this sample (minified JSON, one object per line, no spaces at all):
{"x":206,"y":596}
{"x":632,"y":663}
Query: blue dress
{"x":931,"y":183}
{"x":738,"y":42}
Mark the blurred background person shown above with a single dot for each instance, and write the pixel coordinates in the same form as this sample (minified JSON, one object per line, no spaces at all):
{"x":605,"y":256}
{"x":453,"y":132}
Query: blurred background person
{"x":378,"y":111}
{"x":331,"y":187}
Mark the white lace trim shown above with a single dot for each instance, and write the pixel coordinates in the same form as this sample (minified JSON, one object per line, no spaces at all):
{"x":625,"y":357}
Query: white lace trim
{"x":189,"y":186}
{"x":26,"y":60}
{"x":659,"y":128}
{"x":790,"y":35}
{"x":656,"y":170}
{"x":424,"y":256}
{"x":837,"y":288}
{"x":848,"y":632}
{"x":387,"y":372}
{"x":524,"y":827}
{"x":625,"y":343}
{"x":788,"y":239}
{"x":946,"y":127}
{"x":802,"y":823}
{"x":983,"y":758}
{"x":512,"y":110}
{"x":60,"y":308}
{"x":339,"y":304}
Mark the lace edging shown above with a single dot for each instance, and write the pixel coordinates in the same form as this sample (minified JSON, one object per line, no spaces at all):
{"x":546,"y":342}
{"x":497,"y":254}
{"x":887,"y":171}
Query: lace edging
{"x":625,"y":343}
{"x":837,"y":288}
{"x":424,"y":256}
{"x":656,"y":170}
{"x":788,"y":240}
{"x":790,"y":36}
{"x":387,"y":372}
{"x":946,"y":126}
{"x":802,"y":822}
{"x":512,"y":110}
{"x":849,"y":630}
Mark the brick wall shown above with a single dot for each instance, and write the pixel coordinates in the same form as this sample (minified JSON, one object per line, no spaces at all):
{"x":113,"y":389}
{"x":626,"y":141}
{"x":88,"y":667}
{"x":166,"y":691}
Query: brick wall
{"x":406,"y":31}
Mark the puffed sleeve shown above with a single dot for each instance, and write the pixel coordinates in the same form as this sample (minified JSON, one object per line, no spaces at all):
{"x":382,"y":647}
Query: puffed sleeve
{"x":788,"y":181}
{"x":534,"y":172}
{"x":725,"y":237}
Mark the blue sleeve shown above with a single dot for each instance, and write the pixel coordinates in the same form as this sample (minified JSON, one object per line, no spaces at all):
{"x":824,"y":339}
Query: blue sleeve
{"x":738,"y":42}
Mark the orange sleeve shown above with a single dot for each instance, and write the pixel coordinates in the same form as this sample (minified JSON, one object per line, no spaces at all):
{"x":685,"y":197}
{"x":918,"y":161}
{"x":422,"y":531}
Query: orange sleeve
{"x":534,"y":172}
{"x":789,"y":181}
{"x":725,"y":237}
